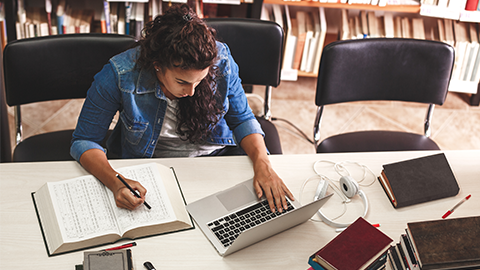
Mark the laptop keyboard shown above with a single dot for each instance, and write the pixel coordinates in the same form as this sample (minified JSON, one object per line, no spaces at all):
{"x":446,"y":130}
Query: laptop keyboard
{"x":229,"y":227}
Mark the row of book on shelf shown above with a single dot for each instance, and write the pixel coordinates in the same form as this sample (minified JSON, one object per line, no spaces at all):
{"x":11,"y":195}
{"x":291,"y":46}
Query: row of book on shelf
{"x":381,"y":3}
{"x":464,"y":10}
{"x":470,"y":5}
{"x":305,"y":29}
{"x":463,"y":36}
{"x":63,"y":18}
{"x":105,"y":16}
{"x":425,"y":245}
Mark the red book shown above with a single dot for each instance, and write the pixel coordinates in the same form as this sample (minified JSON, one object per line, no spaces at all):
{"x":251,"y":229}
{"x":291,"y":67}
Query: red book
{"x":359,"y":245}
{"x":471,"y":5}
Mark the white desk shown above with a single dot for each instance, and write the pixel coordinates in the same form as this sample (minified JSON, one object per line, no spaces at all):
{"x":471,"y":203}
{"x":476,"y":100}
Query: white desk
{"x":22,"y":246}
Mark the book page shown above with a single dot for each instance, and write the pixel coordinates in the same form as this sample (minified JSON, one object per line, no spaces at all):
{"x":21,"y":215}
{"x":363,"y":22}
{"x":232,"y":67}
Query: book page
{"x":161,"y":212}
{"x":83,"y":209}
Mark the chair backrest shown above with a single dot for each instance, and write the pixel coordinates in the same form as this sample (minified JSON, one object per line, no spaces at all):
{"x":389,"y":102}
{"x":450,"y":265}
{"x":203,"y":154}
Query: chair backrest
{"x":384,"y":69}
{"x":5,"y":143}
{"x":57,"y":67}
{"x":256,"y":45}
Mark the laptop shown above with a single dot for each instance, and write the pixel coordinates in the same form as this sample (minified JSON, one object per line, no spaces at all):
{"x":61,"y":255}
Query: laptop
{"x":235,"y":218}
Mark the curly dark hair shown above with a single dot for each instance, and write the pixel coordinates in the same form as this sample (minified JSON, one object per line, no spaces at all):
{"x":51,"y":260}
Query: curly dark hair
{"x":180,"y":39}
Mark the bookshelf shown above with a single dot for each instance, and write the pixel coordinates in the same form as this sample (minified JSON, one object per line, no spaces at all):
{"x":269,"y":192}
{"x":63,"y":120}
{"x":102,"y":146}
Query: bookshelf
{"x":213,"y":8}
{"x":425,"y":12}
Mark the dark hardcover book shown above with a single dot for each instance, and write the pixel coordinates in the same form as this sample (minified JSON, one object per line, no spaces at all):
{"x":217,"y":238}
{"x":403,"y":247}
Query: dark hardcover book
{"x":357,"y":247}
{"x":446,"y":243}
{"x":402,"y":257}
{"x":396,"y":258}
{"x":408,"y":251}
{"x":108,"y":260}
{"x":380,"y":262}
{"x":418,"y":180}
{"x":390,"y":265}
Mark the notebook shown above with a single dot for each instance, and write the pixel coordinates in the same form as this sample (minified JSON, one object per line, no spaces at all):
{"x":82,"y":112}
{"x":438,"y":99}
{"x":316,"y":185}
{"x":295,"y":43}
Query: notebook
{"x":235,"y":218}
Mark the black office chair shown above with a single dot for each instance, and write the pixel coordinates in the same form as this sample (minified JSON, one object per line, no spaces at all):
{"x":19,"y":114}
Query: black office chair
{"x":257,"y":47}
{"x":382,"y":69}
{"x":54,"y":68}
{"x":5,"y":143}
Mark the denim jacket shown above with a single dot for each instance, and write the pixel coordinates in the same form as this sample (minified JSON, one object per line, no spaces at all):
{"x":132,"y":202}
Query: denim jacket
{"x":137,"y":95}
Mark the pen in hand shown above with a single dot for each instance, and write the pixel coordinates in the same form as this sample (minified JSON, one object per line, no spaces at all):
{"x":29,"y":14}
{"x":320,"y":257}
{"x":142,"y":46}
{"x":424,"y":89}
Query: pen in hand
{"x":133,"y":191}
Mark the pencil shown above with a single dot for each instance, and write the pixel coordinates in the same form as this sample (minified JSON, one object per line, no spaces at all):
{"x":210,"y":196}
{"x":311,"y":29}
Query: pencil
{"x":133,"y":191}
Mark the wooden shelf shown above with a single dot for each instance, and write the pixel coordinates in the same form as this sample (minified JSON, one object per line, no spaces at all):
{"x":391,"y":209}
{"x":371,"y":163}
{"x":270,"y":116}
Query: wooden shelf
{"x":393,"y":8}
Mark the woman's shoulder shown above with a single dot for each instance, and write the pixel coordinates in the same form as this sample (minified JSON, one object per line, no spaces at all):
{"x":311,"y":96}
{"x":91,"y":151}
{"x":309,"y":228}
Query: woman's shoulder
{"x":223,"y":50}
{"x":224,"y":59}
{"x":129,"y":78}
{"x":126,"y":60}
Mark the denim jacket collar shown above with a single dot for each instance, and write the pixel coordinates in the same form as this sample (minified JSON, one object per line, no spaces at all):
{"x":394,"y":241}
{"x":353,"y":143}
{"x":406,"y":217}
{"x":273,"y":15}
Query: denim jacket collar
{"x":146,"y":83}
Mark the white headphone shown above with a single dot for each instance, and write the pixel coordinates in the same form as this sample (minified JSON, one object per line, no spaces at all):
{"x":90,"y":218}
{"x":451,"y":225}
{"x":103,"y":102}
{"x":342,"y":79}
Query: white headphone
{"x":349,"y":188}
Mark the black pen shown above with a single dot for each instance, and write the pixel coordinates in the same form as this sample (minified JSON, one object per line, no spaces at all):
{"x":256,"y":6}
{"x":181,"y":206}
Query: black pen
{"x":149,"y":266}
{"x":133,"y":191}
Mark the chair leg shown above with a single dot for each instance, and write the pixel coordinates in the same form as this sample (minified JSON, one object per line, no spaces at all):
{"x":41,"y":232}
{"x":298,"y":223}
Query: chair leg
{"x":475,"y":98}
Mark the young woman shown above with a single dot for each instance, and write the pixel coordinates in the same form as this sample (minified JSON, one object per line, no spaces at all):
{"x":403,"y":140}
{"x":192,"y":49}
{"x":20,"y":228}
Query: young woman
{"x":178,"y":94}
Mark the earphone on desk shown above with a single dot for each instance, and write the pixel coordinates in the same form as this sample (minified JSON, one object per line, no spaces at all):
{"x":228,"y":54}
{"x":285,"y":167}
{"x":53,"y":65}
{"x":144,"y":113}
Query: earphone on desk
{"x":348,"y":189}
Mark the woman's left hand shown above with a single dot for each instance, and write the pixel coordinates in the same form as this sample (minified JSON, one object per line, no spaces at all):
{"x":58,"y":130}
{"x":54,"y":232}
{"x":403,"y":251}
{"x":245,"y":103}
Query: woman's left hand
{"x":265,"y":181}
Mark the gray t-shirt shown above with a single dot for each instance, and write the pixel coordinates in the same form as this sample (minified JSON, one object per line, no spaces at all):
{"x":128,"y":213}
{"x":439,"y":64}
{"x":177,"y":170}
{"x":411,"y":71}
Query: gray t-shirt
{"x":170,"y":144}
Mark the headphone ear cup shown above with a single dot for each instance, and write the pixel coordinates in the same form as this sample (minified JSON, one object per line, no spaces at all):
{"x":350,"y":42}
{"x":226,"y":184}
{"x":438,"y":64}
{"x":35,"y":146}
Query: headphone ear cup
{"x":349,"y":186}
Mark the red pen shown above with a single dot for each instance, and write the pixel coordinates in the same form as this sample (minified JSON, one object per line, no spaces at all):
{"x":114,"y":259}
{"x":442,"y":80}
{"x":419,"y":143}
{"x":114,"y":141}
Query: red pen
{"x":456,"y":205}
{"x":132,"y":244}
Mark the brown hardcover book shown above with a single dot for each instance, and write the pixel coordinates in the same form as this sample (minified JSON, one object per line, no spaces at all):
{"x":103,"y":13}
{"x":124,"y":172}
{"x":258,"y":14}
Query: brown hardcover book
{"x":418,"y":180}
{"x":446,"y":243}
{"x":357,"y":247}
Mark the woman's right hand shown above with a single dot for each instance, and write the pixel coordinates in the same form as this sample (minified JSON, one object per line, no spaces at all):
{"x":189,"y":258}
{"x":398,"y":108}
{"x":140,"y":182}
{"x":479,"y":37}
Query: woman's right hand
{"x":124,"y":197}
{"x":95,"y":162}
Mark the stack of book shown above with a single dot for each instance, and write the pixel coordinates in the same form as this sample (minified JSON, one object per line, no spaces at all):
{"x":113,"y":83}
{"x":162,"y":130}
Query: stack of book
{"x":437,"y":244}
{"x":359,"y":246}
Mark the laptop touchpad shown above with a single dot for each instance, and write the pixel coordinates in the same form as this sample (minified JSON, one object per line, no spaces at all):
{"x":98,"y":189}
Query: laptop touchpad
{"x":236,"y":197}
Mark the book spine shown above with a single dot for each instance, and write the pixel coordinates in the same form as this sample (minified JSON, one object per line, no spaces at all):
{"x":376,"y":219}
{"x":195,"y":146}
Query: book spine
{"x":106,"y":10}
{"x":471,"y":5}
{"x":379,"y":262}
{"x":407,"y":250}
{"x":402,"y":257}
{"x":128,"y":14}
{"x":395,"y":258}
{"x":314,"y":264}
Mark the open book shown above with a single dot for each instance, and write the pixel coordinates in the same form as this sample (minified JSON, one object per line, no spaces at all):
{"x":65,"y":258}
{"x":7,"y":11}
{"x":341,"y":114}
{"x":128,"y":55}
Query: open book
{"x":80,"y":213}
